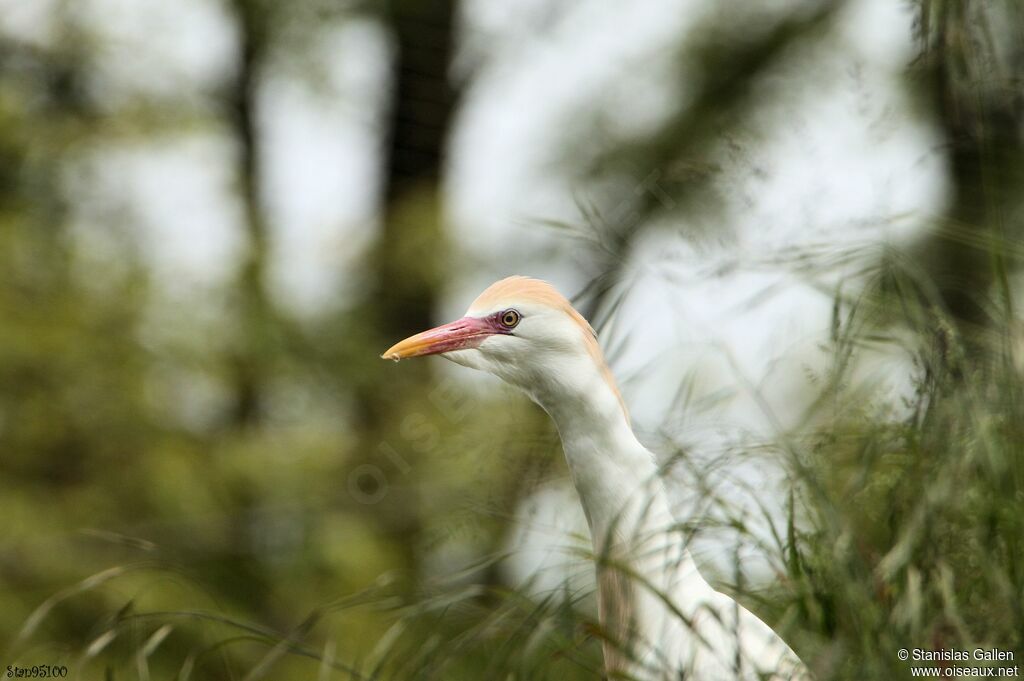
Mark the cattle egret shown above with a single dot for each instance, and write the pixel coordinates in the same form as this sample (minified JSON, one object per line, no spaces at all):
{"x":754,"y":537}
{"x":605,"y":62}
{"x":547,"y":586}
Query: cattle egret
{"x":660,"y":619}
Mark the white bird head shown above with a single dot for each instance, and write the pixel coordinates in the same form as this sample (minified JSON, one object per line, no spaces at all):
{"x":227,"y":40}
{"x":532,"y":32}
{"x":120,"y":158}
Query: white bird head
{"x":526,"y":333}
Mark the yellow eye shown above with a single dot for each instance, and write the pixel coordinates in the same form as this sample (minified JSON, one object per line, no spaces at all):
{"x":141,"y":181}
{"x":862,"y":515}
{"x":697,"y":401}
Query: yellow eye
{"x":510,"y":318}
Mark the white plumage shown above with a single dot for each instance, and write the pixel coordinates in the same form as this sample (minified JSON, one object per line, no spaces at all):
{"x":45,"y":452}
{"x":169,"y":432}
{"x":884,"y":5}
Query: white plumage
{"x":662,"y":619}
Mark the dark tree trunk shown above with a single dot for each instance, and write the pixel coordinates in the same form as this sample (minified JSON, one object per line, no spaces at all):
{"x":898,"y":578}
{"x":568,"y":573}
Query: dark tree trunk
{"x":406,"y":265}
{"x":255,"y":310}
{"x":981,"y":117}
{"x":411,"y":246}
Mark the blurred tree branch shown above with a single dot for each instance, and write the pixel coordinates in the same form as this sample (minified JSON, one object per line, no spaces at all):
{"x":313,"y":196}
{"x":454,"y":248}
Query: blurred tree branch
{"x":666,"y":170}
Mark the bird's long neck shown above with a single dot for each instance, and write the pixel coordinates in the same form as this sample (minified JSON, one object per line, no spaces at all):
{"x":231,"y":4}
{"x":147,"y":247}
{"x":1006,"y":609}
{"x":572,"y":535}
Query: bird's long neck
{"x":641,"y":559}
{"x":608,"y":465}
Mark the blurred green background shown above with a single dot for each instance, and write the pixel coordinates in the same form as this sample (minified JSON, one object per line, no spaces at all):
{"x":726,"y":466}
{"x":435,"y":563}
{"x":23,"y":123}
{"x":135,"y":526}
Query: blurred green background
{"x":214,"y":216}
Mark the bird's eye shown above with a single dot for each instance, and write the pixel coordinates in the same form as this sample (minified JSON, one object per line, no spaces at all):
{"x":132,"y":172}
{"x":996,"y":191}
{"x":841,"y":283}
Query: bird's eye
{"x":509,"y":318}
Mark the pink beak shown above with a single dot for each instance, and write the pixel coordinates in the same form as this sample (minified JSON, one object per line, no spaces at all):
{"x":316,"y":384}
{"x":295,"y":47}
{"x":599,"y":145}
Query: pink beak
{"x":468,"y":332}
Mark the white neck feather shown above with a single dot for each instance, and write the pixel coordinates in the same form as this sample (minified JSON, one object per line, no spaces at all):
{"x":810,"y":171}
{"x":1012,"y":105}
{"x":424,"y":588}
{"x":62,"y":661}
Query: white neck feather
{"x":609,"y":466}
{"x":626,"y":506}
